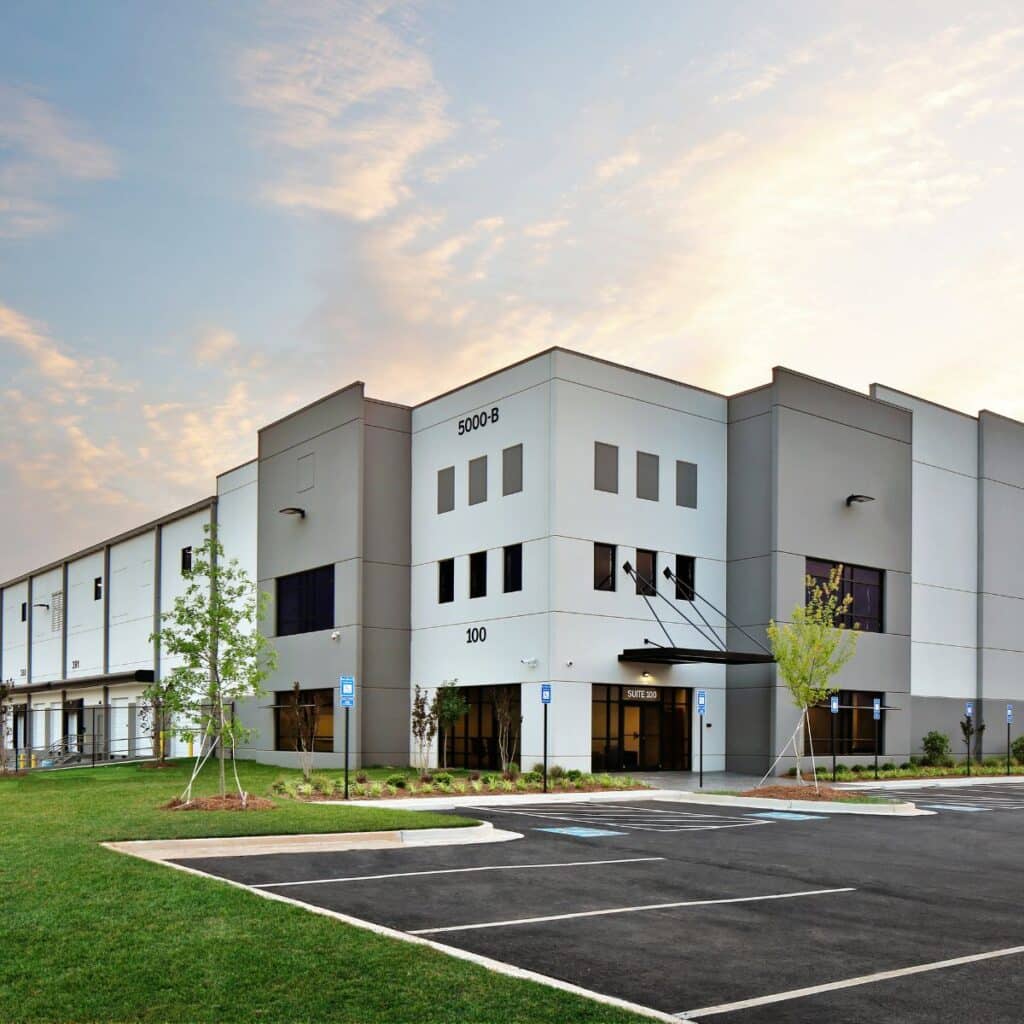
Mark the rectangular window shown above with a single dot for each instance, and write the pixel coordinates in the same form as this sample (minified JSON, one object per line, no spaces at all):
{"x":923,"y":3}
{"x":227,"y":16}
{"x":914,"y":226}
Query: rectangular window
{"x":186,"y":559}
{"x":686,"y":484}
{"x":24,"y":611}
{"x":853,"y":724}
{"x":685,"y":565}
{"x":97,"y":588}
{"x":647,"y":476}
{"x":513,"y":568}
{"x":445,"y":489}
{"x":319,"y":704}
{"x":866,"y":586}
{"x":57,"y":611}
{"x":606,"y":467}
{"x":446,"y":581}
{"x":512,"y":470}
{"x":478,"y":574}
{"x":305,"y":601}
{"x":478,"y":480}
{"x":604,"y":566}
{"x":646,"y":567}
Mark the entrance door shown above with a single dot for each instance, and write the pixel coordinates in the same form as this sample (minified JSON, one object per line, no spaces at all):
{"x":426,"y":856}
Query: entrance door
{"x":630,"y":736}
{"x":641,"y":736}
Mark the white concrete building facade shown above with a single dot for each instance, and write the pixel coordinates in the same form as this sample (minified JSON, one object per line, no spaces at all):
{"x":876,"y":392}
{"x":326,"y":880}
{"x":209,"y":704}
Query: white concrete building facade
{"x":483,"y":538}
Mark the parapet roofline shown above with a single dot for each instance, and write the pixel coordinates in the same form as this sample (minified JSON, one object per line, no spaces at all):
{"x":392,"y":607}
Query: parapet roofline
{"x":917,"y":398}
{"x":136,"y":531}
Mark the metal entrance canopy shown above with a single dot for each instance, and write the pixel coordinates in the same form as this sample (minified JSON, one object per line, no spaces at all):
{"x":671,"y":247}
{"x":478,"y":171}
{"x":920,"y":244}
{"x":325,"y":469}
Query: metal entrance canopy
{"x":692,"y":656}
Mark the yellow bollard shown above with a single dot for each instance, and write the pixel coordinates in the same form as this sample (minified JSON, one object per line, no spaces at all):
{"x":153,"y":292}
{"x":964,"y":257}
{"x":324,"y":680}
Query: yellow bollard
{"x":190,"y":750}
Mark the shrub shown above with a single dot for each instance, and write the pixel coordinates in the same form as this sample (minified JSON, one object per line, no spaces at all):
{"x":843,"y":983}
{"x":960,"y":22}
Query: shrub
{"x":906,"y":766}
{"x":888,"y":767}
{"x":513,"y":770}
{"x":376,"y":789}
{"x":531,"y":777}
{"x":425,"y":787}
{"x":361,"y":776}
{"x":397,"y":779}
{"x":1017,"y":749}
{"x":323,"y":784}
{"x":538,"y":768}
{"x":841,"y":768}
{"x":491,"y":779}
{"x":474,"y":776}
{"x":574,"y":775}
{"x":857,"y":768}
{"x":445,"y":778}
{"x":426,"y":777}
{"x":936,"y":749}
{"x":556,"y":771}
{"x":792,"y":772}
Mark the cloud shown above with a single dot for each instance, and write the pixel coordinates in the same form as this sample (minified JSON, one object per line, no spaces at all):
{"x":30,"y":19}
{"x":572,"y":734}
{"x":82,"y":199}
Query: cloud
{"x":349,"y":103}
{"x":214,"y":345}
{"x":41,"y":150}
{"x":616,"y":165}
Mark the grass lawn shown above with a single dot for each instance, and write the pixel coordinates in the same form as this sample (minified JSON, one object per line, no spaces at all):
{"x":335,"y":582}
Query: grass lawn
{"x":90,"y":935}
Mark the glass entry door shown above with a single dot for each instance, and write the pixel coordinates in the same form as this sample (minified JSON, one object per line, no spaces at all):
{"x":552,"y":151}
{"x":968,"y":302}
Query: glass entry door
{"x":641,"y":736}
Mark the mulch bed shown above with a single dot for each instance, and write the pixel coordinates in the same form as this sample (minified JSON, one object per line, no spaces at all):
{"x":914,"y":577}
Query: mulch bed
{"x":798,"y":793}
{"x":231,"y":802}
{"x":403,"y":794}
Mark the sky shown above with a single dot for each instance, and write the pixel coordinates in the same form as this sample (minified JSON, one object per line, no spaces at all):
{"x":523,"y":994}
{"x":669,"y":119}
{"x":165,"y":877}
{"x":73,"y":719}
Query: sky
{"x":212,"y":214}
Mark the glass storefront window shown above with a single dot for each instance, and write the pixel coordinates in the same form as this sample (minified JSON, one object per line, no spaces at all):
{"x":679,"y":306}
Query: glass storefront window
{"x":854,"y":726}
{"x":640,"y":734}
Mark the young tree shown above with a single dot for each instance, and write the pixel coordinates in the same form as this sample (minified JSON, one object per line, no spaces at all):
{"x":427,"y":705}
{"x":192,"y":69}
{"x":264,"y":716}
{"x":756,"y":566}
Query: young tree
{"x":213,"y":630}
{"x":449,"y":706}
{"x":154,"y":719}
{"x":971,"y":731}
{"x":307,"y":718}
{"x":508,"y":724}
{"x":424,"y":726}
{"x":811,"y":649}
{"x":5,"y":716}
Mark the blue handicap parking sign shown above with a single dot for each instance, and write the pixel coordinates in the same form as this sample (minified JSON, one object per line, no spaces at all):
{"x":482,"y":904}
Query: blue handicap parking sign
{"x":833,"y":704}
{"x":969,"y":709}
{"x":876,"y":705}
{"x":545,"y":693}
{"x":1009,"y":714}
{"x":702,"y":701}
{"x":347,"y":689}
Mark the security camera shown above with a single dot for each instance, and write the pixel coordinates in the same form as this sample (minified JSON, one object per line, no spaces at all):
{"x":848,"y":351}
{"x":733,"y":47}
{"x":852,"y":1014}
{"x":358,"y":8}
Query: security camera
{"x":569,"y":663}
{"x":336,"y":635}
{"x":528,"y":662}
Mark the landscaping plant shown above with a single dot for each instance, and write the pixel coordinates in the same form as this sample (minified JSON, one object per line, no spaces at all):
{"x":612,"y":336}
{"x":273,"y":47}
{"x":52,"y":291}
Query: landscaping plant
{"x":5,"y":713}
{"x":450,"y":706}
{"x":424,"y":727}
{"x":213,"y":629}
{"x":937,"y":749}
{"x":810,"y":650}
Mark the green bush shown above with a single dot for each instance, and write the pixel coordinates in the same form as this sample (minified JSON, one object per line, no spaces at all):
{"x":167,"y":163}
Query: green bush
{"x":491,"y":779}
{"x":857,"y":768}
{"x":556,"y":771}
{"x":531,"y":777}
{"x":1017,"y":749}
{"x":888,"y":767}
{"x":323,"y":784}
{"x":361,"y":776}
{"x":398,"y":780}
{"x":841,"y":768}
{"x":445,"y":778}
{"x":538,"y":768}
{"x":574,"y":775}
{"x":937,"y":750}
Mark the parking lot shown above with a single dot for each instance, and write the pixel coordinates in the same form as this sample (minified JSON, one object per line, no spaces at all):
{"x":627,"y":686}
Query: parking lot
{"x":703,"y":913}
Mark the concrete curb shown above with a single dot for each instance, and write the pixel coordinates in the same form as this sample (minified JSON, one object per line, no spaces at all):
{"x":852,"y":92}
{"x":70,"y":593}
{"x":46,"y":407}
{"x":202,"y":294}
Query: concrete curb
{"x":951,"y":783}
{"x":161,"y":850}
{"x":468,"y":803}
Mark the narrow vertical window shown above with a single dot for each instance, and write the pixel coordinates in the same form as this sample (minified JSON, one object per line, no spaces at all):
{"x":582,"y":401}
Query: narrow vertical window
{"x":445,"y":489}
{"x":24,"y":611}
{"x":446,"y":581}
{"x":646,"y":567}
{"x":513,"y":568}
{"x":186,"y":559}
{"x":478,"y":480}
{"x":512,"y":470}
{"x":604,"y":566}
{"x":647,"y":476}
{"x":685,"y":565}
{"x":606,"y":467}
{"x":97,"y":588}
{"x":478,"y":574}
{"x":686,"y":484}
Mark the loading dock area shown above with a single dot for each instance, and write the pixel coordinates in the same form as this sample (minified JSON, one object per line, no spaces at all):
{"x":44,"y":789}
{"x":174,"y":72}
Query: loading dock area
{"x":721,"y":914}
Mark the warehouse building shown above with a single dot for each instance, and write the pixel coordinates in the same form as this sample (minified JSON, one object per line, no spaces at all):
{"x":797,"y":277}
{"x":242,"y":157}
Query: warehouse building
{"x":620,"y":536}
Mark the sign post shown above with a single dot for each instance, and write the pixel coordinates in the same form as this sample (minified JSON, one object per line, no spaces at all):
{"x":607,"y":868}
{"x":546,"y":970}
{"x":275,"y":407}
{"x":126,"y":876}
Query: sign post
{"x":545,"y":699}
{"x":969,"y":715}
{"x":1009,"y":723}
{"x":702,"y":706}
{"x":347,"y":690}
{"x":833,"y":707}
{"x":876,"y":710}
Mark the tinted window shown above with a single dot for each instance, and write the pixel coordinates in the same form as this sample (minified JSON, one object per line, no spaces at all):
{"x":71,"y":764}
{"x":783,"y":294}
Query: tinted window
{"x":446,"y":581}
{"x":684,"y":577}
{"x":646,"y":567}
{"x":186,"y":559}
{"x":305,"y":601}
{"x":97,"y":588}
{"x":647,"y":476}
{"x":478,"y":574}
{"x":686,"y":484}
{"x":867,"y":586}
{"x":853,"y":725}
{"x":604,"y":566}
{"x":24,"y":611}
{"x":478,"y":480}
{"x":445,"y":489}
{"x":513,"y":568}
{"x":512,"y":470}
{"x":318,"y":704}
{"x":606,"y":467}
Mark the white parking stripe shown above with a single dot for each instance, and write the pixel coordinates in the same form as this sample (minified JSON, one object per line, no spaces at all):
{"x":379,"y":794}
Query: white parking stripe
{"x":456,"y":871}
{"x":625,"y":910}
{"x":864,"y":979}
{"x":640,"y":819}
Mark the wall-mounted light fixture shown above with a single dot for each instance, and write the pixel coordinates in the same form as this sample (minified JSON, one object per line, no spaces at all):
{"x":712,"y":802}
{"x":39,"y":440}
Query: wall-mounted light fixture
{"x":41,"y":605}
{"x":292,"y":510}
{"x":646,"y":675}
{"x":858,"y":499}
